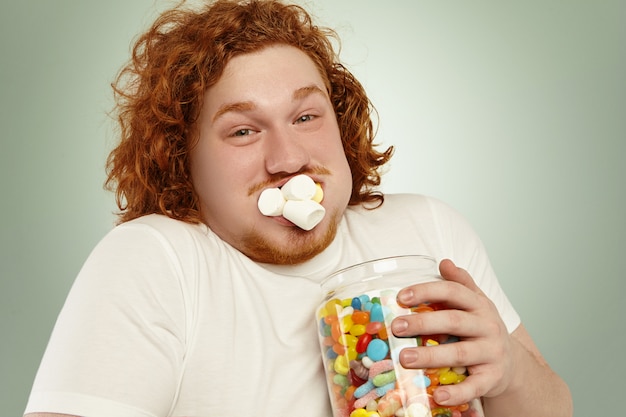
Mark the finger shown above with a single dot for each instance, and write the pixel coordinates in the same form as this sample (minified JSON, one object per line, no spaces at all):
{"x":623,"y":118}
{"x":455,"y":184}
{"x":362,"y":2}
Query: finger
{"x":452,"y":294}
{"x":463,"y":353}
{"x":474,"y":386}
{"x":451,"y":322}
{"x":450,"y":272}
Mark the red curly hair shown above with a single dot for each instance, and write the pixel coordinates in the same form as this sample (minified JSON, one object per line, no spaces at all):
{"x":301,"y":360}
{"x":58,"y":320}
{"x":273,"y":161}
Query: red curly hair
{"x":159,"y":95}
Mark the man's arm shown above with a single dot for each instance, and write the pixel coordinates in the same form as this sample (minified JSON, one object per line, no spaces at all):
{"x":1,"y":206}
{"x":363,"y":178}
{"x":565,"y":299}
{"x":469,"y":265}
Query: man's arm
{"x":506,"y":370}
{"x":535,"y":390}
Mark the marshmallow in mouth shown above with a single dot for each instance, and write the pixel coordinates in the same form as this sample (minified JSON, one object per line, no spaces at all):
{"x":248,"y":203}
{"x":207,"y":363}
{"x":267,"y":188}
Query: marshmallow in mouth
{"x":297,"y":201}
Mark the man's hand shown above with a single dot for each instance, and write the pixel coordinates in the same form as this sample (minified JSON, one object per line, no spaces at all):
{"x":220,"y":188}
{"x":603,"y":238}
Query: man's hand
{"x":484,"y":346}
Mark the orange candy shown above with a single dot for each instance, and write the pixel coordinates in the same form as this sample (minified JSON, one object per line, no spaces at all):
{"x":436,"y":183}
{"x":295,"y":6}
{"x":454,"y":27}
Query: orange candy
{"x":335,"y":330}
{"x":349,"y":394}
{"x":382,"y":333}
{"x":360,"y":317}
{"x":339,"y":349}
{"x":330,"y":319}
{"x":422,"y":308}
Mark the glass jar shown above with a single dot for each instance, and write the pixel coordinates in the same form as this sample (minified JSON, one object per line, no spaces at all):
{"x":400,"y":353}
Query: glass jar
{"x":360,"y":353}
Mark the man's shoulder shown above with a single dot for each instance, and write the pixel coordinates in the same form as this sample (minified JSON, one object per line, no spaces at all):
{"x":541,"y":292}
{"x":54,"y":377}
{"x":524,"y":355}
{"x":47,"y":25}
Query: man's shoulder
{"x":403,"y":206}
{"x":159,"y":227}
{"x":406,"y":198}
{"x":161,"y":222}
{"x":397,"y":201}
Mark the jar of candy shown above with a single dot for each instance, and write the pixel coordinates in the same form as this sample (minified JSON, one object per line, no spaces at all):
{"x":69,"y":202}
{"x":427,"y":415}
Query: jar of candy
{"x":360,"y":353}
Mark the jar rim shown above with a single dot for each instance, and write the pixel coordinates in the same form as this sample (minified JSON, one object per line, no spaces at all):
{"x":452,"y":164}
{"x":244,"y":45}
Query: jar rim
{"x":380,"y":266}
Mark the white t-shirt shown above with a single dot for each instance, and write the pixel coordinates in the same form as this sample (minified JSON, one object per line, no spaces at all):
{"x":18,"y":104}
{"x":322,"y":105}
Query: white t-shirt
{"x":166,"y":319}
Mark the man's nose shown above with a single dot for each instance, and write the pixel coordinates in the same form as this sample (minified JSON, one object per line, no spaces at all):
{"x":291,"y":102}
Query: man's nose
{"x":285,"y":152}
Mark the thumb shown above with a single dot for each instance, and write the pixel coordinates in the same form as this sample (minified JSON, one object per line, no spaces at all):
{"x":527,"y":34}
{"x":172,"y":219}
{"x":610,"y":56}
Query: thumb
{"x":450,"y":272}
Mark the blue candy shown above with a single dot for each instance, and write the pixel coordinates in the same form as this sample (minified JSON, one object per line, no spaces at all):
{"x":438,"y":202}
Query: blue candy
{"x":377,"y":350}
{"x":376,"y":313}
{"x":421,"y":381}
{"x":364,"y":389}
{"x":364,"y":298}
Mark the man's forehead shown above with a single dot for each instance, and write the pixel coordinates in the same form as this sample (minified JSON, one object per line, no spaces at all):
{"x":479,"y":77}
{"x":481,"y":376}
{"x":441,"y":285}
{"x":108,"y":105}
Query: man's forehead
{"x":273,"y":59}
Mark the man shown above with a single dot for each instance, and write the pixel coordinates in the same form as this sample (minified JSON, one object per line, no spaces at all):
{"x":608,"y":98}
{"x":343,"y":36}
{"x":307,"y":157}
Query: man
{"x":197,"y":304}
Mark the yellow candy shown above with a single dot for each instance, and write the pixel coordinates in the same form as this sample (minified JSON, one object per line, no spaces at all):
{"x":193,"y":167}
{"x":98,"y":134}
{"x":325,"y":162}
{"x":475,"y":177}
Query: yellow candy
{"x":346,"y":323}
{"x":351,"y":353}
{"x":448,"y":377}
{"x":357,"y":329}
{"x":330,"y":308}
{"x":319,"y":193}
{"x":348,"y":340}
{"x":342,"y":365}
{"x":361,"y":412}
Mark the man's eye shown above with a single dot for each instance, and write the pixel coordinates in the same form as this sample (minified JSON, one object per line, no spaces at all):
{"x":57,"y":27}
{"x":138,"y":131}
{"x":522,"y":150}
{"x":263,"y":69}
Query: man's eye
{"x":242,"y":132}
{"x":305,"y":118}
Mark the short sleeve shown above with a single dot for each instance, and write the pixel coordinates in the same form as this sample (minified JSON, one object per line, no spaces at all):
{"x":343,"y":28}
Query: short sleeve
{"x":462,"y":245}
{"x":118,"y":344}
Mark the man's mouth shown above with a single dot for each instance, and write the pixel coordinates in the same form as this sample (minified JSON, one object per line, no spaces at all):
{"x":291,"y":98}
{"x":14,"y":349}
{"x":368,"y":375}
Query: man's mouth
{"x":298,"y":201}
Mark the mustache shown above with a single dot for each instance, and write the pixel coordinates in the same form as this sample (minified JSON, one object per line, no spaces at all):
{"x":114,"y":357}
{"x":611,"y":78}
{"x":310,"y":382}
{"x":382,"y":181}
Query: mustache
{"x":274,"y":178}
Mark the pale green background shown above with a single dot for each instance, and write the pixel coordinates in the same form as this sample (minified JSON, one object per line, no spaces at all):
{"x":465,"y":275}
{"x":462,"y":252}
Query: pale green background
{"x":512,"y":112}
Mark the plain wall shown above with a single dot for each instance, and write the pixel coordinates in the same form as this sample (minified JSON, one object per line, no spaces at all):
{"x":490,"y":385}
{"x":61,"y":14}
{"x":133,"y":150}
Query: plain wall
{"x":512,"y":112}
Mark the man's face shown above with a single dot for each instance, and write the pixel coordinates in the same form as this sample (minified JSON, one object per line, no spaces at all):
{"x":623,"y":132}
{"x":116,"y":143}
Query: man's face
{"x":267,"y":119}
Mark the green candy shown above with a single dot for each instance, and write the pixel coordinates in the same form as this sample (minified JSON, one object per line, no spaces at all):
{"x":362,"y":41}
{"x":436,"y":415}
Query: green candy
{"x":384,"y":378}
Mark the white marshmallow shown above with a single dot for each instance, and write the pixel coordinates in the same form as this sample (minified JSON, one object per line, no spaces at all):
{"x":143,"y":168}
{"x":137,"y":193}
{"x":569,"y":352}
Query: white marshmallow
{"x":417,"y":410}
{"x":271,"y":202}
{"x":305,"y":214}
{"x":300,"y":187}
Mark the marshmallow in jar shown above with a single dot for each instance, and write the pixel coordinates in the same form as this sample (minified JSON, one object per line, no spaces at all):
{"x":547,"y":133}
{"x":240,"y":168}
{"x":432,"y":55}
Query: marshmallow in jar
{"x":298,"y":201}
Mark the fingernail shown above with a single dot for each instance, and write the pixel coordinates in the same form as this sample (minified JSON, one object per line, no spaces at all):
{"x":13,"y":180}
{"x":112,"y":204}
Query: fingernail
{"x":441,"y":396}
{"x":409,"y":356}
{"x":399,"y":325}
{"x":405,"y":297}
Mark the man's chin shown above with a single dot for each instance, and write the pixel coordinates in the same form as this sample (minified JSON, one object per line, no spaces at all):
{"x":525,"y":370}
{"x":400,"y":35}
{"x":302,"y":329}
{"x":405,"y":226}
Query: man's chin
{"x":296,"y":247}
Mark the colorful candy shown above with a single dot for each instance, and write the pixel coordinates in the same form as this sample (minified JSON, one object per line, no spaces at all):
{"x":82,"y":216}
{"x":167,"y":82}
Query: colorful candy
{"x":365,"y":376}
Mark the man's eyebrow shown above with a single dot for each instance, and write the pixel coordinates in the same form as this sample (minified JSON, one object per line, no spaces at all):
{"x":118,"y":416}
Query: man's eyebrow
{"x":303,"y":92}
{"x":240,"y":106}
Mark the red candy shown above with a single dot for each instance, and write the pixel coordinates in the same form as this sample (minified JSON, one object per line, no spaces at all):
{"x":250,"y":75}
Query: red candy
{"x":364,"y":340}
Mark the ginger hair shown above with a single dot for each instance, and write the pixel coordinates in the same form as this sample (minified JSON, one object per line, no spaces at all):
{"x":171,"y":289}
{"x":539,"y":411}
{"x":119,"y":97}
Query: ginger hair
{"x":159,"y":96}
